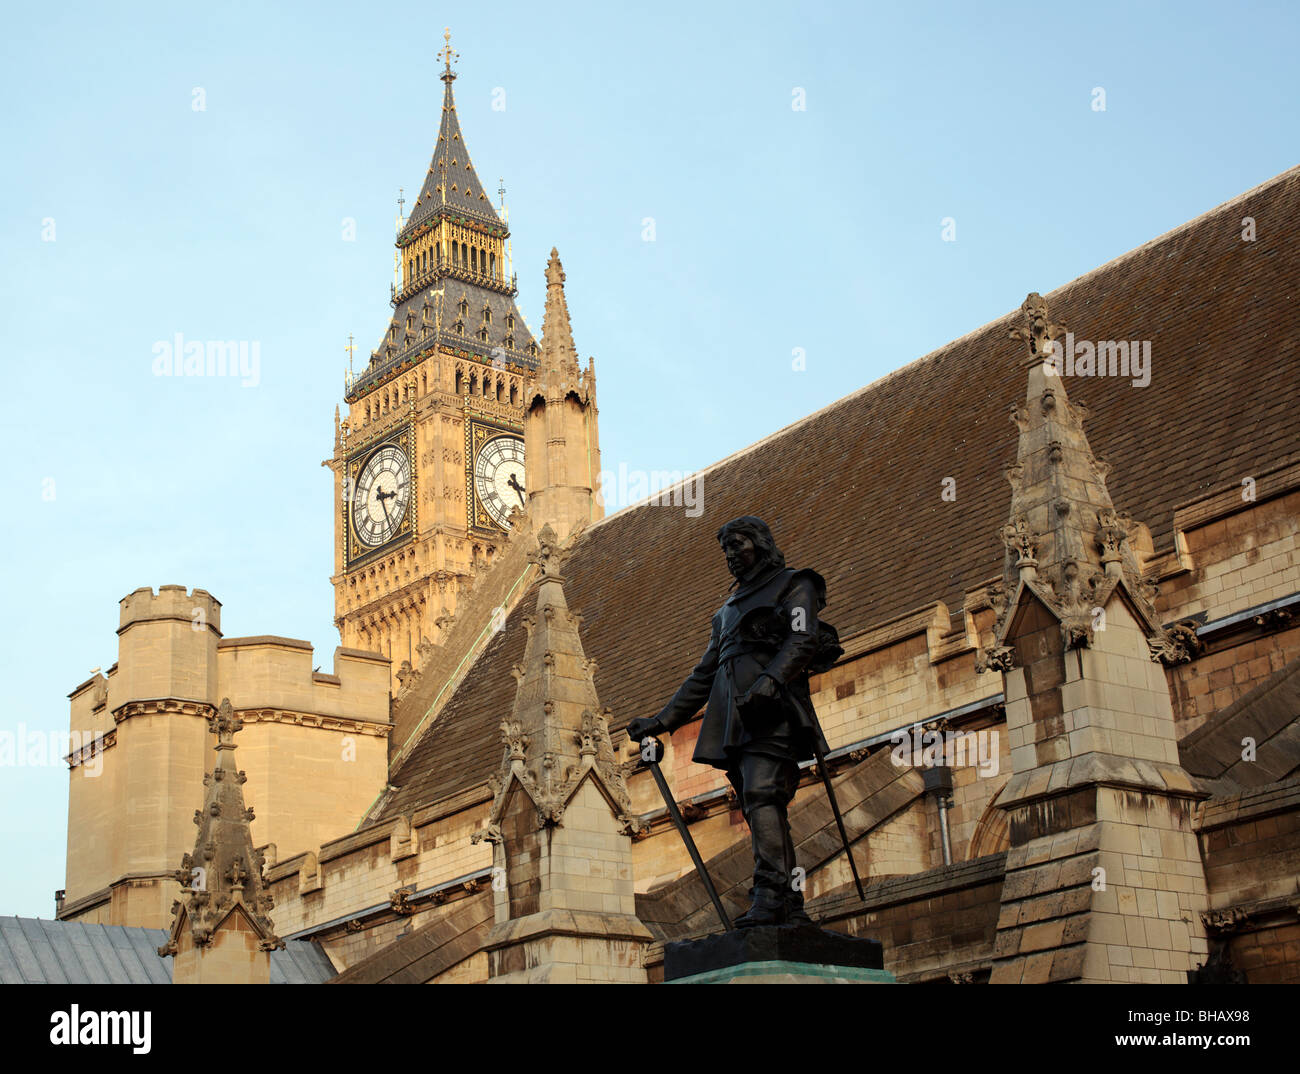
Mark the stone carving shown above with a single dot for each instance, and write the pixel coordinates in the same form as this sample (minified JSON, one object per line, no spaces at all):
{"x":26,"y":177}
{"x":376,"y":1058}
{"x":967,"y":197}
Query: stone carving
{"x":1021,"y":540}
{"x":999,"y":658}
{"x":1041,"y":330}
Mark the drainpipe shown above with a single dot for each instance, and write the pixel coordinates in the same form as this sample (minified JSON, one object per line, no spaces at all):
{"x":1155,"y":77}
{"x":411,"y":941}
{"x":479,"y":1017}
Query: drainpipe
{"x":938,"y":784}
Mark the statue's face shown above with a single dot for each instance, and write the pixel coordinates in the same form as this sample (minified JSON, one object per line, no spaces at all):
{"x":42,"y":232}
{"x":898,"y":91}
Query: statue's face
{"x":740,"y":552}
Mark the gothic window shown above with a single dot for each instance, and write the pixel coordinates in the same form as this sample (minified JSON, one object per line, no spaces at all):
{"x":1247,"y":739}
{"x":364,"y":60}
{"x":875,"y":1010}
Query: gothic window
{"x":463,"y":307}
{"x":459,"y":327}
{"x":500,"y":391}
{"x":510,"y":343}
{"x":487,"y":314}
{"x":483,"y":334}
{"x":473,"y":384}
{"x":473,"y":258}
{"x":459,"y":378}
{"x":510,"y":321}
{"x":487,"y":387}
{"x":514,"y":392}
{"x":492,"y":265}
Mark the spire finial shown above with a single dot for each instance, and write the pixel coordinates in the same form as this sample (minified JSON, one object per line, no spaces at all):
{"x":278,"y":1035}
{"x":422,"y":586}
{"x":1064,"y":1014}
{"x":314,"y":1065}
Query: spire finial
{"x":558,"y":351}
{"x":1042,"y":331}
{"x":447,"y":54}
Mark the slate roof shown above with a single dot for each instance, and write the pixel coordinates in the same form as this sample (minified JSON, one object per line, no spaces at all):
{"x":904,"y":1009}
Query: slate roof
{"x":37,"y":951}
{"x":1268,"y":714}
{"x":465,"y":198}
{"x":465,"y":194}
{"x":854,"y":490}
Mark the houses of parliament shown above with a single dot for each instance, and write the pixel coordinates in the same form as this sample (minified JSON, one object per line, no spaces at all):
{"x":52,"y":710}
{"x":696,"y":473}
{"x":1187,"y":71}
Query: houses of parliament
{"x":1111,"y":611}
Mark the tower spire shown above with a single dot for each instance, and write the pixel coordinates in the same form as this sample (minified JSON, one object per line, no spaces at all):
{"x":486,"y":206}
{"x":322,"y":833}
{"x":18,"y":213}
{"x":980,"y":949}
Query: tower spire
{"x":558,"y":351}
{"x":561,"y":438}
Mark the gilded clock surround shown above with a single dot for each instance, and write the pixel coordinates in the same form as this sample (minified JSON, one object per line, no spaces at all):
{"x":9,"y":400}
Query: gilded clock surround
{"x":358,"y":552}
{"x":478,"y":431}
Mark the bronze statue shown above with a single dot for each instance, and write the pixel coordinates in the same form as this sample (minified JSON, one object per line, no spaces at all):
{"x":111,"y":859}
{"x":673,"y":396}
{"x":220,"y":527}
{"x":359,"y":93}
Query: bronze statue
{"x":759,"y":722}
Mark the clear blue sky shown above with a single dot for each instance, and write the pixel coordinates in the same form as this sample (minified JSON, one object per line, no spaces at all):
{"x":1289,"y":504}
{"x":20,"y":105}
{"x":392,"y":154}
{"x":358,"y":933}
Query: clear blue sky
{"x":775,"y":229}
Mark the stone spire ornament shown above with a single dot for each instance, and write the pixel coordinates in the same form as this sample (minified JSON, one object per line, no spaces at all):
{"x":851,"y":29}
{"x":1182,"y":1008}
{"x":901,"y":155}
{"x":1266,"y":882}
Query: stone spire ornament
{"x":558,"y":351}
{"x":221,"y":931}
{"x":561,"y":439}
{"x":557,"y":734}
{"x":1064,"y":539}
{"x":1098,"y":805}
{"x":561,"y":816}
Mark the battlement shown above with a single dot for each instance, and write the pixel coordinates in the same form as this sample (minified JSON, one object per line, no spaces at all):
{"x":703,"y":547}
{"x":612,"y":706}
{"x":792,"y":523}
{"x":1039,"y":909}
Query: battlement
{"x":199,"y":608}
{"x":269,"y":672}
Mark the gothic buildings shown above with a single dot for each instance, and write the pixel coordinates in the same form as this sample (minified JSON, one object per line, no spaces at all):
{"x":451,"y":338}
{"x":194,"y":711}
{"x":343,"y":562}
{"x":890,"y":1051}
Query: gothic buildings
{"x":1064,"y":728}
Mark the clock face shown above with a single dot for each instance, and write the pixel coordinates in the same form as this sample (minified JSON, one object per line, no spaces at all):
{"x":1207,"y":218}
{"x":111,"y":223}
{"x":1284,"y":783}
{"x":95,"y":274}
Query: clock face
{"x":499,"y":477}
{"x":382,"y":496}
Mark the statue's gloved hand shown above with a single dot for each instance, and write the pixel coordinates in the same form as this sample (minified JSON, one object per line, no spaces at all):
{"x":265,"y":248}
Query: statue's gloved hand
{"x":764,"y":686}
{"x":645,"y":727}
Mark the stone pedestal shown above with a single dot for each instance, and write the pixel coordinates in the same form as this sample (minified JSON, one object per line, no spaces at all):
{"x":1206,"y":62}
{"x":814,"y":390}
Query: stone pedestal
{"x":776,"y":955}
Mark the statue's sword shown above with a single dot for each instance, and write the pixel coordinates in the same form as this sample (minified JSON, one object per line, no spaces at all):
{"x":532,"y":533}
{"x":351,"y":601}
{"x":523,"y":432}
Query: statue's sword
{"x":824,"y":772}
{"x":653,"y":757}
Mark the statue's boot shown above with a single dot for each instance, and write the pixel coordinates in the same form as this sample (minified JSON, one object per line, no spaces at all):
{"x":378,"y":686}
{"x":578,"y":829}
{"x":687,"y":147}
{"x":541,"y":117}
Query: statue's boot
{"x":794,"y":911}
{"x":769,"y":831}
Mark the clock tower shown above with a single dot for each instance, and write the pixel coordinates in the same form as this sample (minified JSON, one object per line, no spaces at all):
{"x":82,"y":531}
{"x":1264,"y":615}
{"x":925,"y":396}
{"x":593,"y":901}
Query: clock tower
{"x":429,"y":462}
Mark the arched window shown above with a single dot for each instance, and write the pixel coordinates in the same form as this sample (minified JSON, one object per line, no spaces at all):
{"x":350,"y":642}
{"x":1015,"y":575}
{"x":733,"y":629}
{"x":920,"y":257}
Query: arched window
{"x":459,"y":379}
{"x":514,"y":393}
{"x":473,"y":384}
{"x":501,"y":388}
{"x":492,"y":265}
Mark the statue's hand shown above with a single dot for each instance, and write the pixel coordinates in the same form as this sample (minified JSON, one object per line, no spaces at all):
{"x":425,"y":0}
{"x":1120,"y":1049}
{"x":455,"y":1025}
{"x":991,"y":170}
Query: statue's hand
{"x":645,"y":727}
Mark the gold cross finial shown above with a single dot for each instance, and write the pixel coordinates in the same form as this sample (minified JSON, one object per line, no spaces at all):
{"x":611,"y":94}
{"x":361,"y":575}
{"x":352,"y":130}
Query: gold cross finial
{"x":446,"y":53}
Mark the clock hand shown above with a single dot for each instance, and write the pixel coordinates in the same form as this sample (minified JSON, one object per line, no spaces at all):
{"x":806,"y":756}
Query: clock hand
{"x":519,"y":489}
